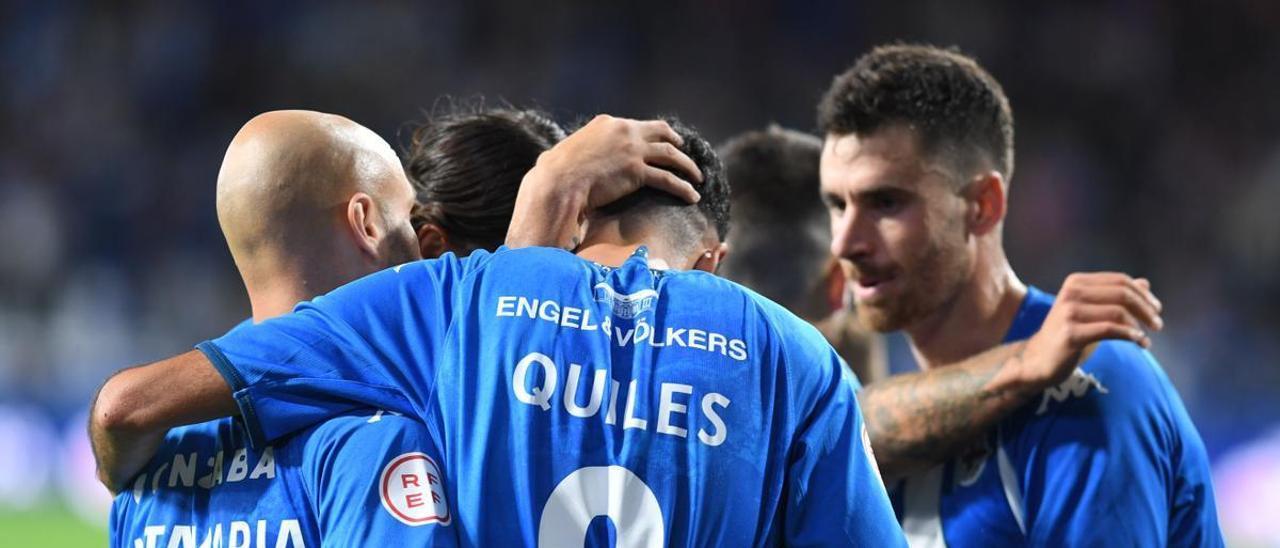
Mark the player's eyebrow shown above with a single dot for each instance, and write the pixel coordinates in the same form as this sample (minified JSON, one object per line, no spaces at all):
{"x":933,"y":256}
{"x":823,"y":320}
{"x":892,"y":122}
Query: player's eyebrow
{"x":882,"y":189}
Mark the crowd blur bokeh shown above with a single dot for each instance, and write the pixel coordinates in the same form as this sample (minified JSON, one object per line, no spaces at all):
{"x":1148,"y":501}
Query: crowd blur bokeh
{"x":1148,"y":140}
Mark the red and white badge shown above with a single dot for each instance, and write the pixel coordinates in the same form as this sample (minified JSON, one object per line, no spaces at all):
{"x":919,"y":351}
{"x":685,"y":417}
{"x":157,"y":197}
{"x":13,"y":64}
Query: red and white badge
{"x":412,"y":490}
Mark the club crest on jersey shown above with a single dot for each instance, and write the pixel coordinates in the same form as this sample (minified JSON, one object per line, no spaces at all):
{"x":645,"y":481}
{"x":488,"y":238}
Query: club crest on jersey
{"x":412,"y":490}
{"x":626,"y":306}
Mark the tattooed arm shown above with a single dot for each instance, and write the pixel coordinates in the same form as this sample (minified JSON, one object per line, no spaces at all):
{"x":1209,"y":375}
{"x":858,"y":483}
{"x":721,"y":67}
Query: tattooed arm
{"x":917,"y":420}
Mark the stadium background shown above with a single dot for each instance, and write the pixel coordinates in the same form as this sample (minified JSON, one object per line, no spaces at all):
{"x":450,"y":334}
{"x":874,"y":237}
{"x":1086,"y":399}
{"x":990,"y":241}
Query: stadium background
{"x":1148,"y":140}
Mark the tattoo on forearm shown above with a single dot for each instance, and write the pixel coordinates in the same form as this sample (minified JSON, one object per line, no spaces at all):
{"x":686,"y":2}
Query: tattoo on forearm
{"x":920,"y":419}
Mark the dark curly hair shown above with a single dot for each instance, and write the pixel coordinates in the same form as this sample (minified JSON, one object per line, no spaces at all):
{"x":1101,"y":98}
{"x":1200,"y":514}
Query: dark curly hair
{"x":674,"y":213}
{"x":954,"y":105}
{"x":466,"y":166}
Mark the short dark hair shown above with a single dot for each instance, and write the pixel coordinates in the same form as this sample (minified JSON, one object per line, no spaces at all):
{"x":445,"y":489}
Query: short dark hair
{"x":711,"y":210}
{"x":951,"y":102}
{"x":778,"y":218}
{"x":466,"y":166}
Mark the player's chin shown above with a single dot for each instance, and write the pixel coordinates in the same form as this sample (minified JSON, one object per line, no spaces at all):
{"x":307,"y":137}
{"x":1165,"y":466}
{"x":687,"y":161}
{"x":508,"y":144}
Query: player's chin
{"x":879,"y":318}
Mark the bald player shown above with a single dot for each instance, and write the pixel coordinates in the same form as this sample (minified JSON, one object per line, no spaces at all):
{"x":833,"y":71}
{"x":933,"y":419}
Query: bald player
{"x":307,"y":201}
{"x":266,"y":218}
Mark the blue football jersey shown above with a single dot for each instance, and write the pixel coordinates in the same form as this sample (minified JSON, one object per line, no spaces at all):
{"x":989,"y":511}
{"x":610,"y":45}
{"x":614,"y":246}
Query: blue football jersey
{"x":1107,"y":458}
{"x":580,"y":405}
{"x":340,"y":483}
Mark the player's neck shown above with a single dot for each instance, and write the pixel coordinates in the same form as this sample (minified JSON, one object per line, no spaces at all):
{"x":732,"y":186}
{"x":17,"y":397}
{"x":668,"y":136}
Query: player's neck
{"x":606,"y":245}
{"x":614,"y":254}
{"x":975,"y":320}
{"x":269,"y":304}
{"x":277,"y":295}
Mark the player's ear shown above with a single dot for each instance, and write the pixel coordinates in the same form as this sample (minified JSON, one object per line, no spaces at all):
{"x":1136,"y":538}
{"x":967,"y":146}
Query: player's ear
{"x":364,"y":224}
{"x":986,"y":200}
{"x":433,"y":241}
{"x":710,"y":259}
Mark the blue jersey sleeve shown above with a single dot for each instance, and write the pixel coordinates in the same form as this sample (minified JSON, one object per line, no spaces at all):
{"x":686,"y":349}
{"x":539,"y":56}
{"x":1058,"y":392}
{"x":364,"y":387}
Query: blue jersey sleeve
{"x":370,"y":343}
{"x":1110,"y":450}
{"x":375,"y":479}
{"x":835,"y":496}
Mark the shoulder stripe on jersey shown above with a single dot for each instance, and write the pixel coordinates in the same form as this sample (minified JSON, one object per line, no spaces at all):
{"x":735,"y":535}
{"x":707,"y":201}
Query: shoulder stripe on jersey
{"x":1009,"y":480}
{"x":921,"y":502}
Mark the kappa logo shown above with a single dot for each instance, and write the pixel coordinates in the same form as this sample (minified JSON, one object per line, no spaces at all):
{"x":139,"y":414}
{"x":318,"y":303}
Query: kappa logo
{"x":412,"y":490}
{"x":626,"y":306}
{"x":1077,"y":385}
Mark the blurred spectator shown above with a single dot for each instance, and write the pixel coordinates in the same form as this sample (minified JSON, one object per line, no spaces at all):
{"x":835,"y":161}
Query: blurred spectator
{"x":780,"y":239}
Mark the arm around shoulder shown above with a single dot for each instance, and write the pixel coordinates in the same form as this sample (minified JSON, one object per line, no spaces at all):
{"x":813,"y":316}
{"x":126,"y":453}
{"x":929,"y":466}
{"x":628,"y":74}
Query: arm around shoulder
{"x":136,"y":406}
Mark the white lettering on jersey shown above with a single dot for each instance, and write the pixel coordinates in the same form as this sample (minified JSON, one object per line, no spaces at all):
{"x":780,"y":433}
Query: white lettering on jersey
{"x":290,"y":534}
{"x":412,"y":490}
{"x":593,"y":398}
{"x":184,"y":467}
{"x":642,"y":333}
{"x":266,"y":465}
{"x":182,"y":536}
{"x":1077,"y":385}
{"x":667,"y":407}
{"x":629,"y":420}
{"x":241,"y":535}
{"x":239,"y":466}
{"x":539,"y":395}
{"x":672,"y":406}
{"x":708,"y":408}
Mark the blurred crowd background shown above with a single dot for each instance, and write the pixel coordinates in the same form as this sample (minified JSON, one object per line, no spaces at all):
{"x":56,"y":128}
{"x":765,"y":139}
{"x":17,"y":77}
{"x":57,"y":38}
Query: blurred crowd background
{"x":1148,"y":140}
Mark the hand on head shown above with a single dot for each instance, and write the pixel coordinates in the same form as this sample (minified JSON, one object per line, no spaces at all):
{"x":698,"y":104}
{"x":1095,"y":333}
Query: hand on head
{"x":605,"y":160}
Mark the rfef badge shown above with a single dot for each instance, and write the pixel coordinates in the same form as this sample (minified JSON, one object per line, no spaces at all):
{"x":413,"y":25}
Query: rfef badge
{"x":412,"y":490}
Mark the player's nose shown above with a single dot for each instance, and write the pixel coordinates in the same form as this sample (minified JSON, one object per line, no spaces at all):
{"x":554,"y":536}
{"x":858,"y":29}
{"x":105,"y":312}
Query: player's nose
{"x":849,"y":239}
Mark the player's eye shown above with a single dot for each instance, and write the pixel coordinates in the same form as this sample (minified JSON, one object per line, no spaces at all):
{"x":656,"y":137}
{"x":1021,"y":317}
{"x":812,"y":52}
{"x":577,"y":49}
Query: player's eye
{"x":886,"y":203}
{"x":833,"y":202}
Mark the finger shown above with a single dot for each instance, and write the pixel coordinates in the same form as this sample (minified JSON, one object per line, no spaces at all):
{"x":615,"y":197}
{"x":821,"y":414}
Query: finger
{"x":667,"y":181}
{"x":1144,"y":287}
{"x":658,"y":130}
{"x":1089,"y":333}
{"x":1127,"y":296}
{"x":1082,"y":281}
{"x":667,"y":155}
{"x":1093,"y":278}
{"x":1113,"y":313}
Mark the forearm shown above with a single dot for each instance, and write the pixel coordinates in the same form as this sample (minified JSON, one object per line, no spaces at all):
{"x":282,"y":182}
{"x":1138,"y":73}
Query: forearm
{"x":120,"y":453}
{"x":545,"y":214}
{"x":918,"y":420}
{"x":136,"y":407}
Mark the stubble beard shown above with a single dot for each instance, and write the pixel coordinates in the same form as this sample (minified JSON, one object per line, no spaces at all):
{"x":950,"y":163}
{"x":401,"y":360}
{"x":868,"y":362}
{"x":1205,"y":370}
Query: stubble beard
{"x":932,"y":280}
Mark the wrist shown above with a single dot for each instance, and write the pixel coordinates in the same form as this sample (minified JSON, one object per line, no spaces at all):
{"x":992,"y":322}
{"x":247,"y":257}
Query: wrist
{"x":1015,"y":377}
{"x":547,"y":210}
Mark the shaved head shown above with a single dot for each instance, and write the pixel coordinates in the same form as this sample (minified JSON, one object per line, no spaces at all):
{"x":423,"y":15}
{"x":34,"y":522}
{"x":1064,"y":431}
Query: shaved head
{"x":312,"y":197}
